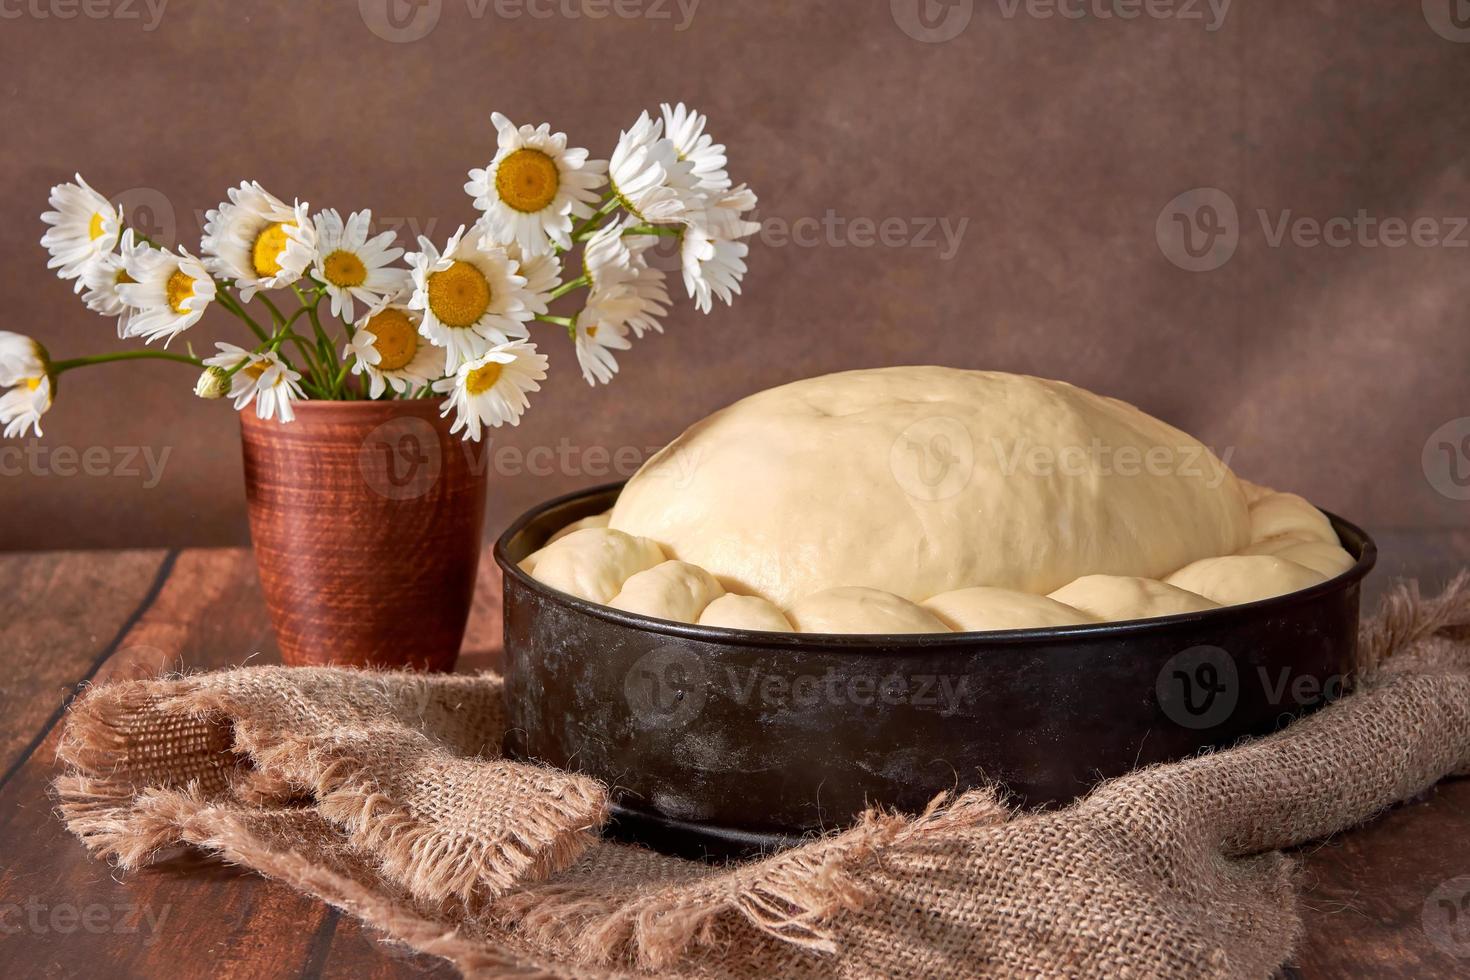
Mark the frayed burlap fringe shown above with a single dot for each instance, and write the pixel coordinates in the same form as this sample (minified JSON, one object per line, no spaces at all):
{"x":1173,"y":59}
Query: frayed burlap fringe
{"x":384,"y":794}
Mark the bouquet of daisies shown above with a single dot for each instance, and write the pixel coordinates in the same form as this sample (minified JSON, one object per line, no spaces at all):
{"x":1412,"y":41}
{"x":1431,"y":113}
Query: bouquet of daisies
{"x":366,"y":320}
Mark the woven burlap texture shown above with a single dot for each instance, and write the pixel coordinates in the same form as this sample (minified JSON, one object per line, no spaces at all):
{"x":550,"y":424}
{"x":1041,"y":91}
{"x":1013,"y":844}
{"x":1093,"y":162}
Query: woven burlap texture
{"x":383,"y":794}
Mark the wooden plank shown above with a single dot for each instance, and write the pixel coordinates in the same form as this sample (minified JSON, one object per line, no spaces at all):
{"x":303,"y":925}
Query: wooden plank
{"x":1365,"y":892}
{"x":62,"y":612}
{"x":189,"y":914}
{"x":208,"y":614}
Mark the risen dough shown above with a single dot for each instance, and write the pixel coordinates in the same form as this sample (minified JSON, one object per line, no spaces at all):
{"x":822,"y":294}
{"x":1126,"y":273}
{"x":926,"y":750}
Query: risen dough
{"x":983,"y":608}
{"x":1328,"y":560}
{"x":1234,"y":579}
{"x":593,"y":563}
{"x":1114,"y":598}
{"x":922,"y":480}
{"x":1286,"y":513}
{"x":673,"y":590}
{"x":855,"y":609}
{"x":595,"y":520}
{"x":745,"y":612}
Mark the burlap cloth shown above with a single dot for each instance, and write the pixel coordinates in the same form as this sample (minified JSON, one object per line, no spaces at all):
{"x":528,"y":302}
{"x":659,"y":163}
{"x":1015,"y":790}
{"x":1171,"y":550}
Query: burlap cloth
{"x":383,"y":794}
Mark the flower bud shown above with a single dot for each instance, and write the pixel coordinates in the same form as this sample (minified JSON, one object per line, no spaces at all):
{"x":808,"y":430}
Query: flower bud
{"x":213,"y":383}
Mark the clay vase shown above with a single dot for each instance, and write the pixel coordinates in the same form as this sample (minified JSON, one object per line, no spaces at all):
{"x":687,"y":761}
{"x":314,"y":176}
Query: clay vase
{"x":366,"y":519}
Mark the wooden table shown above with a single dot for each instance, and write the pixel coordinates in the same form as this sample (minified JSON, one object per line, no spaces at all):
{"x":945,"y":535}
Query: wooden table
{"x":71,"y":618}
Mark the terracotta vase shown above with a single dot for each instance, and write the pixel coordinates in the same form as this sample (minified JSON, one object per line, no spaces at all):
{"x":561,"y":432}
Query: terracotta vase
{"x":366,"y":519}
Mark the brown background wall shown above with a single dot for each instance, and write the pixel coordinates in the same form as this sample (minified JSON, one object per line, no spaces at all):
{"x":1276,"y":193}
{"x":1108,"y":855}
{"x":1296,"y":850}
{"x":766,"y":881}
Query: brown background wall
{"x":1059,"y":141}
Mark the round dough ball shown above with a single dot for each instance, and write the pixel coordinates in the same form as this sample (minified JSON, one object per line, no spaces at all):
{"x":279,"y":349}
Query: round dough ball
{"x":983,"y":608}
{"x":673,"y":590}
{"x":853,"y":609}
{"x":595,"y":520}
{"x":745,"y":612}
{"x":1234,"y":579}
{"x":593,"y":563}
{"x":1286,"y":513}
{"x":1116,"y":598}
{"x":922,"y":480}
{"x":1278,"y":544}
{"x":1328,"y":560}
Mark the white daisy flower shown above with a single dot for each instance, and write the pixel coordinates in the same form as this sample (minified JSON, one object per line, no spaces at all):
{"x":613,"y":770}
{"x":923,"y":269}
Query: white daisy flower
{"x":535,"y":186}
{"x":21,"y":407}
{"x":21,"y":358}
{"x":168,"y":294}
{"x":625,"y":289}
{"x":25,"y":368}
{"x":351,"y":264}
{"x":541,"y":272}
{"x":648,"y":177}
{"x":685,"y":128}
{"x":388,"y":349}
{"x":491,"y":389}
{"x":104,"y":274}
{"x":264,"y":379}
{"x":713,"y":261}
{"x":258,"y":241}
{"x":471,"y":294}
{"x":596,"y":340}
{"x":84,"y":225}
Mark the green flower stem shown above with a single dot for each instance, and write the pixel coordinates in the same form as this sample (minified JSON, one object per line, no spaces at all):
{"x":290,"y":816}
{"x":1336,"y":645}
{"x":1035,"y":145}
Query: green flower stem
{"x":561,"y":321}
{"x":567,"y":287}
{"x":275,"y":312}
{"x":59,"y":367}
{"x":661,"y":230}
{"x":609,"y":204}
{"x":225,"y":299}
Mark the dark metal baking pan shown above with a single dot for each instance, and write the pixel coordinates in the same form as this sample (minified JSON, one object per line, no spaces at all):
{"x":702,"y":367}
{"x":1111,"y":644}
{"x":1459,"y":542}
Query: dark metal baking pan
{"x":719,"y":741}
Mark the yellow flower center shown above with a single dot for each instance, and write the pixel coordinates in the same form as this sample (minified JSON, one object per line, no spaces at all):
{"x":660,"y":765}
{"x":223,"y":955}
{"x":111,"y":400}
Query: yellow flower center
{"x":33,"y":383}
{"x":94,"y":227}
{"x":527,"y":180}
{"x":592,"y":331}
{"x":344,"y":269}
{"x":265,"y":256}
{"x":180,"y":288}
{"x":121,"y":277}
{"x":255,"y":369}
{"x":396,"y":339}
{"x":482,"y":379}
{"x":459,"y":295}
